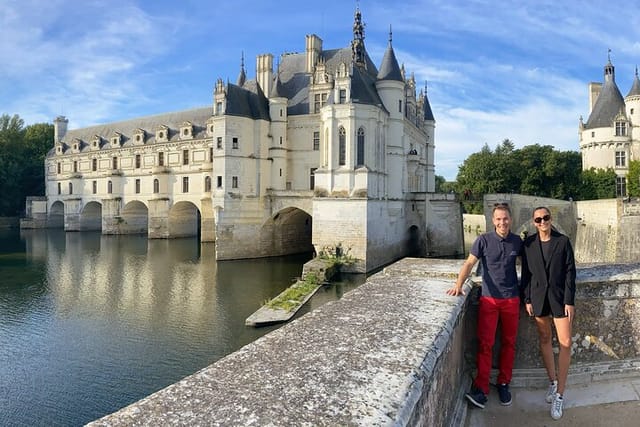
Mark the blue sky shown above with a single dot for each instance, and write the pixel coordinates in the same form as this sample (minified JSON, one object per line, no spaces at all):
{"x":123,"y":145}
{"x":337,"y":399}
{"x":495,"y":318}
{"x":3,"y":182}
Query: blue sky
{"x":495,"y":69}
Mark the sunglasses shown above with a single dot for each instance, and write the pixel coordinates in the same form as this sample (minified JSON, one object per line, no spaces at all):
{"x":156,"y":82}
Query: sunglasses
{"x":539,"y":219}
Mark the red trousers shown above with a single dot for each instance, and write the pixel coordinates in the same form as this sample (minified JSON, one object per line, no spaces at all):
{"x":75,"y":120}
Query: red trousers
{"x":507,"y":310}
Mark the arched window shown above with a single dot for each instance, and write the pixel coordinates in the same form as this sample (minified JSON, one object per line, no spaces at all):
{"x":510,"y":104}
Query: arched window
{"x":156,"y":186}
{"x":109,"y":187}
{"x":70,"y":188}
{"x":360,"y":148}
{"x":342,"y":147}
{"x":207,"y":184}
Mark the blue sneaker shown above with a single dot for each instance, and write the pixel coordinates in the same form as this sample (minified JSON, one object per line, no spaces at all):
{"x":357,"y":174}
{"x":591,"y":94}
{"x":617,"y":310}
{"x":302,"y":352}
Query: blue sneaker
{"x":505,"y":394}
{"x":477,"y":397}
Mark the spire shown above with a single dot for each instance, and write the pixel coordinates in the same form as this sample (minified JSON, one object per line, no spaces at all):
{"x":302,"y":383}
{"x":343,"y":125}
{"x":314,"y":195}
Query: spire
{"x":609,"y":69}
{"x":357,"y":44}
{"x":635,"y":87}
{"x":389,"y":69}
{"x":242,"y":77}
{"x":427,"y":114}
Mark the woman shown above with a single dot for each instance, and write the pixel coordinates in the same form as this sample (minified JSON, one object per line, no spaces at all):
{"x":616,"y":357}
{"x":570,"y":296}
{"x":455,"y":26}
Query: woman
{"x":549,"y":282}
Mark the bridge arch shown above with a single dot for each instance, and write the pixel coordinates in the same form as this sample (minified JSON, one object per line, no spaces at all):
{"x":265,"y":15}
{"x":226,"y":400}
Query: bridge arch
{"x":91,"y":217}
{"x":56,"y":215}
{"x":184,"y":220}
{"x":135,"y":218}
{"x":289,"y":230}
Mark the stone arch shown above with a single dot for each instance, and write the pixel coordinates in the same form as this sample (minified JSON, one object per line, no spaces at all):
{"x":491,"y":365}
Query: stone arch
{"x":91,"y":217}
{"x":134,"y":218}
{"x":56,"y":215}
{"x":184,"y":220}
{"x":289,"y":232}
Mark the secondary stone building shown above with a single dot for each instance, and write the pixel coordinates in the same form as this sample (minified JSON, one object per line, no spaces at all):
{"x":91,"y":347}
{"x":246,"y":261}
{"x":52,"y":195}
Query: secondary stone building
{"x":326,"y":149}
{"x":611,"y":136}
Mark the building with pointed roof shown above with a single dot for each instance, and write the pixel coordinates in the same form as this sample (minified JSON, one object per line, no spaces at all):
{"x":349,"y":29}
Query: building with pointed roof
{"x":610,"y":138}
{"x":326,"y":150}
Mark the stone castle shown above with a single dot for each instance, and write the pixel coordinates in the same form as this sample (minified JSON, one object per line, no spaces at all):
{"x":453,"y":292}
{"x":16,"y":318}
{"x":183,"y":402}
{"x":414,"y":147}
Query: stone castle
{"x":611,"y":136}
{"x":326,"y":150}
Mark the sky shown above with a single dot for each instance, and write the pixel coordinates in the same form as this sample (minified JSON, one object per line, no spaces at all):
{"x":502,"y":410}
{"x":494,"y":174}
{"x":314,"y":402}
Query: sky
{"x":493,"y":69}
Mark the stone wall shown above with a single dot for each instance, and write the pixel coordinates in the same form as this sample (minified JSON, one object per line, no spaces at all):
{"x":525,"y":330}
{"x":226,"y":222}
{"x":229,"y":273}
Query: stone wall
{"x":395,"y":351}
{"x":607,"y":323}
{"x":390,"y":352}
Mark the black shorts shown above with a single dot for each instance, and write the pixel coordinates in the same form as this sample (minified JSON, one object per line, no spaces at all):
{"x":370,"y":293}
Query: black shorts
{"x":552,"y":309}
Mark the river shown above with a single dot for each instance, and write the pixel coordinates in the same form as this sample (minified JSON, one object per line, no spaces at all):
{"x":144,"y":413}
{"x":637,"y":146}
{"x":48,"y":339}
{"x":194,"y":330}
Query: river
{"x":91,"y":323}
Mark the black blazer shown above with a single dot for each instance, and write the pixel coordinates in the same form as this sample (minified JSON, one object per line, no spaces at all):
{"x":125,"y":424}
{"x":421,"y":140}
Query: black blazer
{"x":557,"y":278}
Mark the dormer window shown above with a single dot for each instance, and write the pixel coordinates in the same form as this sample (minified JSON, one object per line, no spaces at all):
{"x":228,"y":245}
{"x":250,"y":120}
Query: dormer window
{"x":96,"y":142}
{"x":210,"y":127}
{"x":162,"y":134}
{"x":621,"y":128}
{"x":76,"y":145}
{"x":139,"y":136}
{"x":186,"y":130}
{"x":116,"y":139}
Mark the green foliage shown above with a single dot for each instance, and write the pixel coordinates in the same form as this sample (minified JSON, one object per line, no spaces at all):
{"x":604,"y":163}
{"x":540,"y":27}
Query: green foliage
{"x":22,"y":153}
{"x":336,"y":255}
{"x":537,"y":170}
{"x":598,"y":184}
{"x":633,"y":179}
{"x":295,"y":294}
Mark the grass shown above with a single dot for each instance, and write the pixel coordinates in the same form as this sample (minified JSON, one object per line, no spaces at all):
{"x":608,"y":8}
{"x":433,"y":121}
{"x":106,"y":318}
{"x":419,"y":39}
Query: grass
{"x":295,"y":294}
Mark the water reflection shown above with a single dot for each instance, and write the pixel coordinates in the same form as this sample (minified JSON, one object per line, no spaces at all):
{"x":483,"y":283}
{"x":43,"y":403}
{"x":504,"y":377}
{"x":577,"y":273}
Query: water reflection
{"x":90,"y":323}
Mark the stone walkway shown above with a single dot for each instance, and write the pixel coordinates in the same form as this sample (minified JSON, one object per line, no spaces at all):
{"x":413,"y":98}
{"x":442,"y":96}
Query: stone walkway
{"x":610,"y":403}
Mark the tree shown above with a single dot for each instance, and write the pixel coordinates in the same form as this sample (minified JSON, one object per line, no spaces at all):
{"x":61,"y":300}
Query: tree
{"x":22,"y":153}
{"x":598,"y":184}
{"x":633,"y":178}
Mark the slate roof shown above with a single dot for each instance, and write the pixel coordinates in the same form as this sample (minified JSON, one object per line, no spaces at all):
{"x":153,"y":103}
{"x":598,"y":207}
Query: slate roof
{"x":197,"y":117}
{"x":247,"y":101}
{"x":635,"y":87}
{"x":607,"y":106}
{"x":294,"y":80}
{"x":389,"y":69}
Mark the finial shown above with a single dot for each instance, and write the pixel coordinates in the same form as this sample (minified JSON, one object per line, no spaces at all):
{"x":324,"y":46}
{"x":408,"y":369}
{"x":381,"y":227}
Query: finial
{"x":390,"y":34}
{"x":425,"y":86}
{"x":609,"y":55}
{"x":242,"y":60}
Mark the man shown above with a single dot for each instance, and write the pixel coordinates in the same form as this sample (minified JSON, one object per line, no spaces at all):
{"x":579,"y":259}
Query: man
{"x":500,"y":300}
{"x":549,"y":283}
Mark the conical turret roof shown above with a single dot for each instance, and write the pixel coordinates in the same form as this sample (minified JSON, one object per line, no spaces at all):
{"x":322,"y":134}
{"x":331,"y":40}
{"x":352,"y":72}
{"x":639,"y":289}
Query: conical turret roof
{"x":609,"y":103}
{"x":389,"y":69}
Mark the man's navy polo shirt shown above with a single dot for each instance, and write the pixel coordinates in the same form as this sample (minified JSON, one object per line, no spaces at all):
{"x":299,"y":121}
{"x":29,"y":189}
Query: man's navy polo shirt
{"x":498,"y":258}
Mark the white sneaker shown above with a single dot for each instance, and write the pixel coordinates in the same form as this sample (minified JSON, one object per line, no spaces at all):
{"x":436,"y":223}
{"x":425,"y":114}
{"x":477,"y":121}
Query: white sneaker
{"x":551,"y":392}
{"x":556,"y":407}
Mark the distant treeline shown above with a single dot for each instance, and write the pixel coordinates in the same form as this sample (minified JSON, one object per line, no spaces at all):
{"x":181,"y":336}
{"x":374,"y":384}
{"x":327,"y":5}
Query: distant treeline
{"x":22,"y":153}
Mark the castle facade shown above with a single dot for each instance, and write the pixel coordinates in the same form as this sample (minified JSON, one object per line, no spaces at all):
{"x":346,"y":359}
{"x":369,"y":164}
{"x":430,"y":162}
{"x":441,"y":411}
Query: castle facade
{"x":325,"y":150}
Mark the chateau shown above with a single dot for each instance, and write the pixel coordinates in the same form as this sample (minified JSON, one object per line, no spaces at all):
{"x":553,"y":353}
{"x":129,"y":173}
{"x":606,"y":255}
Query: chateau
{"x":325,"y":150}
{"x":611,"y":136}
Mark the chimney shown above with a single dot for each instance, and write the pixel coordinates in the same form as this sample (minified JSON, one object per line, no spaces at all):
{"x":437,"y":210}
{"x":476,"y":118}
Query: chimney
{"x":60,"y":128}
{"x":264,"y":71}
{"x":314,"y":48}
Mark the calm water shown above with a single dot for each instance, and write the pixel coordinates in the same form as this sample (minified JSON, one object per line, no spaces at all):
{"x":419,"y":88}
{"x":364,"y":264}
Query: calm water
{"x":91,"y":323}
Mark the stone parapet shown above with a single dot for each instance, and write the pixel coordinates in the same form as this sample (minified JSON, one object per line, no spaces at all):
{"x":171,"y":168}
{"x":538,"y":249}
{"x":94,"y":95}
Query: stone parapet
{"x":385,"y":354}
